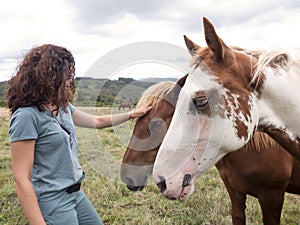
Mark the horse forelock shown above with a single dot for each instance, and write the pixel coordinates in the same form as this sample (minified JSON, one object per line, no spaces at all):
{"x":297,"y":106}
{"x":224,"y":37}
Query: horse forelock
{"x":155,"y":94}
{"x":200,"y":54}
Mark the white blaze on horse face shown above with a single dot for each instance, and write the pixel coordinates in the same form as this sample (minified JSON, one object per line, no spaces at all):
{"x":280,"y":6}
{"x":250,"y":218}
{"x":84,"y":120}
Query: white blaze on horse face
{"x":195,"y":141}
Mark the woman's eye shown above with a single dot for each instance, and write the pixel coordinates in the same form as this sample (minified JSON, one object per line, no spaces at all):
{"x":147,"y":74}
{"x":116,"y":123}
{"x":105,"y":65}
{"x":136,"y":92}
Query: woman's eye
{"x":200,"y":101}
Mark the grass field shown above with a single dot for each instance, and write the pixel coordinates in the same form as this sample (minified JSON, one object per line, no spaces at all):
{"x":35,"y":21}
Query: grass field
{"x":100,"y":155}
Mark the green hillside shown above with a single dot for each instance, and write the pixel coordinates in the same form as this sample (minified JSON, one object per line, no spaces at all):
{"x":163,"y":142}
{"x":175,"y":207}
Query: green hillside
{"x":103,"y":92}
{"x":100,"y":92}
{"x":2,"y":94}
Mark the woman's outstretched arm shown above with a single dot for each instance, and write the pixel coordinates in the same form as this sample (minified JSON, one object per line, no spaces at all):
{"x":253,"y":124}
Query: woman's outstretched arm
{"x":84,"y":119}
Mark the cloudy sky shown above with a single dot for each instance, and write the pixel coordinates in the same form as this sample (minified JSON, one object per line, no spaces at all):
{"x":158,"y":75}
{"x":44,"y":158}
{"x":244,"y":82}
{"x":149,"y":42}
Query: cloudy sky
{"x":92,"y":29}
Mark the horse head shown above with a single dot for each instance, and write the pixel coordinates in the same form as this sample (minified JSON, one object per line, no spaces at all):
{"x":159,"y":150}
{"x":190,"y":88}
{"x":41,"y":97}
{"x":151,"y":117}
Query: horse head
{"x":148,"y":133}
{"x":216,"y":113}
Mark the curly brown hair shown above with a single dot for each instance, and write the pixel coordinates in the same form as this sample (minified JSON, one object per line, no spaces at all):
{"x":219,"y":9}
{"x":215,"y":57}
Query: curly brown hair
{"x":41,"y":79}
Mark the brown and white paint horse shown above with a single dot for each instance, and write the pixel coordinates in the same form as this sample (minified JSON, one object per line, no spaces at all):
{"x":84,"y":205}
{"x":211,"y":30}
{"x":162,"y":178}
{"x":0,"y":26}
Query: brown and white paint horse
{"x":261,"y":168}
{"x":227,"y":97}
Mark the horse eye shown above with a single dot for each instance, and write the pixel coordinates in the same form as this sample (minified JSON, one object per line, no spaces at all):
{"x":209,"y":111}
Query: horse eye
{"x":156,"y":124}
{"x":200,"y":101}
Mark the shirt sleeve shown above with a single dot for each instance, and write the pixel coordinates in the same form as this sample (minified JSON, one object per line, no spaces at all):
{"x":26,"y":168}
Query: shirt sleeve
{"x":23,"y":125}
{"x":71,"y":108}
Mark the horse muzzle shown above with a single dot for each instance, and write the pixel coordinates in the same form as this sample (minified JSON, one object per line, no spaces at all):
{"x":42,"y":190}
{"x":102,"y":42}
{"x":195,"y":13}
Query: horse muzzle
{"x":176,"y":190}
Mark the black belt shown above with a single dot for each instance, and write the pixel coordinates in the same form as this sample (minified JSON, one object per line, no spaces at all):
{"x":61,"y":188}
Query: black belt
{"x":73,"y":188}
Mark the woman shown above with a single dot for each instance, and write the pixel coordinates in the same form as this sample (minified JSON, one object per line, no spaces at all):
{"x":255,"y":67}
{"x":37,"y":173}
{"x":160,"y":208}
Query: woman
{"x":44,"y":150}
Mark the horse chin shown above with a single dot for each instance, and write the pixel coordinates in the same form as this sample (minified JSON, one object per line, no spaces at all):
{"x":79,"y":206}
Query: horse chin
{"x":182,"y":195}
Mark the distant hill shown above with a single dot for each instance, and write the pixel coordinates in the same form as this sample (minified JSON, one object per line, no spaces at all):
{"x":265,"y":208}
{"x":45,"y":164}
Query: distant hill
{"x":3,"y":89}
{"x":157,"y":80}
{"x":109,"y":92}
{"x":103,"y":92}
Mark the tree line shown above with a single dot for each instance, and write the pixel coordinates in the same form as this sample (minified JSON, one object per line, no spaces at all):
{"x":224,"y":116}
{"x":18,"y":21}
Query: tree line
{"x":100,"y":92}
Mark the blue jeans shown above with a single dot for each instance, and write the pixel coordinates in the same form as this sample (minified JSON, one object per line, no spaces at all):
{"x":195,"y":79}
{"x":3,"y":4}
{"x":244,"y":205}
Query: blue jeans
{"x":69,"y":209}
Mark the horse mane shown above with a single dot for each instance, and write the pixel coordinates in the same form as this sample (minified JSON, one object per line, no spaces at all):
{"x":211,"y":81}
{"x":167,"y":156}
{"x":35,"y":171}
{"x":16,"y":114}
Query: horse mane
{"x":271,"y":59}
{"x":154,"y":94}
{"x":259,"y":141}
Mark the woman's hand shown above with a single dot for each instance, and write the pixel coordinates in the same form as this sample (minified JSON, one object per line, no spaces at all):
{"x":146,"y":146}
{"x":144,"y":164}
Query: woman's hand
{"x":139,"y":112}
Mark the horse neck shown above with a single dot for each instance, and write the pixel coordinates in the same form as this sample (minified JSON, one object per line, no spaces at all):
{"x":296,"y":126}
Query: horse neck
{"x":280,"y":109}
{"x":279,"y":99}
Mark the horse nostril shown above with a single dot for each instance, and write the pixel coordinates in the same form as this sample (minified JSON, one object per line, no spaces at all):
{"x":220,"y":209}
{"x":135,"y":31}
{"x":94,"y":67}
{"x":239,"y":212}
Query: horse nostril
{"x":135,"y":188}
{"x":186,"y":180}
{"x":162,"y":184}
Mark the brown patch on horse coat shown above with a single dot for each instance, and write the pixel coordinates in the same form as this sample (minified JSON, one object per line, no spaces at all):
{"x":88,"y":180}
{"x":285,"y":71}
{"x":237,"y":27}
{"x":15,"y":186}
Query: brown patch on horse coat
{"x":232,"y":70}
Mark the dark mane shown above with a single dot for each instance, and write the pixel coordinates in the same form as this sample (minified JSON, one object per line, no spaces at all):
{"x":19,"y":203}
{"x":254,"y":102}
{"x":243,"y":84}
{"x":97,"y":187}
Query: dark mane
{"x":260,"y":141}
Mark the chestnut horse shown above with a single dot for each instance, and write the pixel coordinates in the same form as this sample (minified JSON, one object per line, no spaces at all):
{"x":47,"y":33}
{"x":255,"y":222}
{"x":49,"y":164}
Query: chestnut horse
{"x":125,"y":105}
{"x":228,"y":95}
{"x":261,"y":168}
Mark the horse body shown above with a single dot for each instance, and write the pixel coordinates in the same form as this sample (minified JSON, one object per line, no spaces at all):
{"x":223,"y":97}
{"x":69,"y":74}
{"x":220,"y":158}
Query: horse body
{"x":227,"y":97}
{"x":261,"y":169}
{"x":264,"y":173}
{"x":125,"y":105}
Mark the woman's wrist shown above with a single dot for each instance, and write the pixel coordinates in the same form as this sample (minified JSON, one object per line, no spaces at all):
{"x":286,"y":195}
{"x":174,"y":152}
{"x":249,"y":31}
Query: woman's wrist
{"x":131,"y":114}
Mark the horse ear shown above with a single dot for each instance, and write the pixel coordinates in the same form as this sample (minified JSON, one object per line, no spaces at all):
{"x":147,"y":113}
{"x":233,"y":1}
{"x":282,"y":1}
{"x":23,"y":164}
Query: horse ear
{"x":181,"y":81}
{"x":174,"y":93}
{"x":216,"y":45}
{"x":191,"y":46}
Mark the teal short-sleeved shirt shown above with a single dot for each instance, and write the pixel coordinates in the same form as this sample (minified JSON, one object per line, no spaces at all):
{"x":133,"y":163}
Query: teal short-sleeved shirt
{"x":56,"y":165}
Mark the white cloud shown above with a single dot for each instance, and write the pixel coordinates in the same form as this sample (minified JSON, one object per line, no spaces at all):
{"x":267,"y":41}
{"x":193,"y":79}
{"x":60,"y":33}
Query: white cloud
{"x":25,"y":24}
{"x":144,"y":70}
{"x":6,"y":68}
{"x":92,"y":28}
